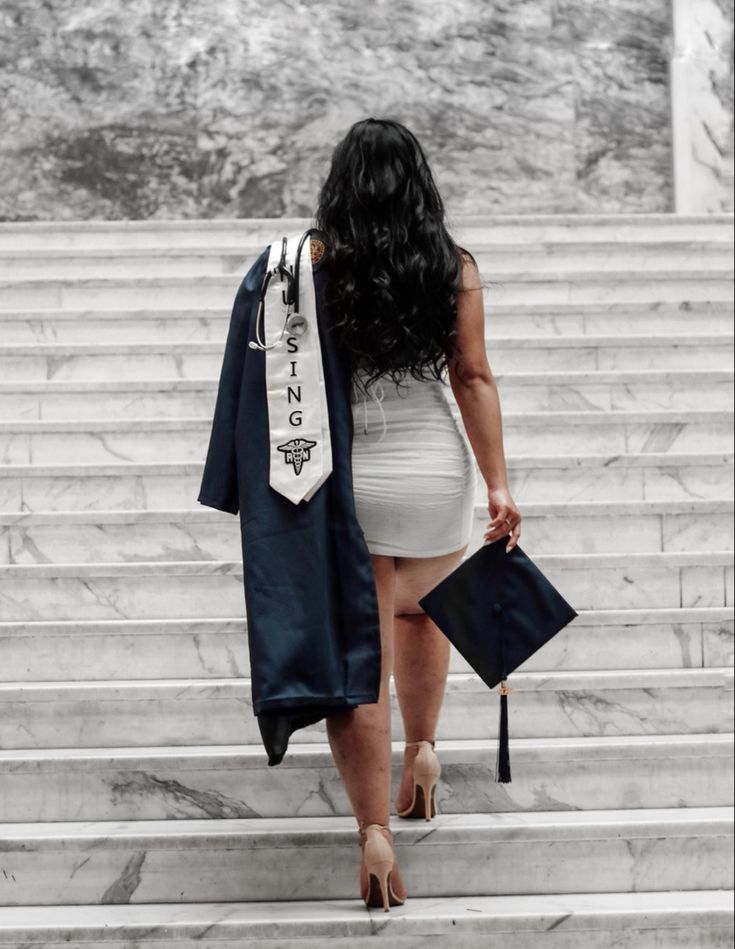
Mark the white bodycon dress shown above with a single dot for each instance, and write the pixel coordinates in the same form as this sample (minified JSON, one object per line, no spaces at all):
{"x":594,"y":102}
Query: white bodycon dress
{"x":413,"y":470}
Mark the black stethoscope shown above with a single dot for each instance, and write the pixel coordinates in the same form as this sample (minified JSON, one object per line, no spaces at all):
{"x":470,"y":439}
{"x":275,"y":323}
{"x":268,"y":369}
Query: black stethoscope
{"x":295,"y":324}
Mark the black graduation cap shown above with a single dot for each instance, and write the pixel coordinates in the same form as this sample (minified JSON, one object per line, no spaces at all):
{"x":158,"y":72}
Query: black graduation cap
{"x":497,"y":608}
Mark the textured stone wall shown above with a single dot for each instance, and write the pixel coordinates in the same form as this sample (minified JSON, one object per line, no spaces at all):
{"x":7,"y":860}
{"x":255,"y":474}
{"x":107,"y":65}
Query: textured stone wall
{"x":188,"y":108}
{"x":701,"y":81}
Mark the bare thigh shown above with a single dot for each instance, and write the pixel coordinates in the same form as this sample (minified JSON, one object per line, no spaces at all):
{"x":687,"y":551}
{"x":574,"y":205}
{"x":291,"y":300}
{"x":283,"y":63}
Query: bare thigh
{"x":385,"y":574}
{"x":415,"y":576}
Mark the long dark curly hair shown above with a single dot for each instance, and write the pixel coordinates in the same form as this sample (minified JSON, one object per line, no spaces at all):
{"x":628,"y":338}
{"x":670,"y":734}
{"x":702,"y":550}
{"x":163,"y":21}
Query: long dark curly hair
{"x":394,"y":271}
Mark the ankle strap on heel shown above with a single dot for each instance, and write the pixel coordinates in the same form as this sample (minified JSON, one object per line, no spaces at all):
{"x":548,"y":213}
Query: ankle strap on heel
{"x":363,"y":828}
{"x":431,"y":741}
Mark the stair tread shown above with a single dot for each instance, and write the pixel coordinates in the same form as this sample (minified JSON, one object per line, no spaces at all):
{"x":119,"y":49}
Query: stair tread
{"x":540,"y":377}
{"x":499,"y":307}
{"x":699,"y":677}
{"x":499,"y":274}
{"x":646,"y":821}
{"x":565,"y":417}
{"x":530,"y":509}
{"x":209,"y":225}
{"x":251,"y":246}
{"x":499,"y":914}
{"x":619,"y":459}
{"x":500,"y":341}
{"x":686,"y":614}
{"x":670,"y":558}
{"x":450,"y":749}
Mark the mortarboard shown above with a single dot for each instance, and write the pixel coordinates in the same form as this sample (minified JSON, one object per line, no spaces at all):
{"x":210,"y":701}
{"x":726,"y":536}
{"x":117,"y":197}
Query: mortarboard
{"x":497,"y":609}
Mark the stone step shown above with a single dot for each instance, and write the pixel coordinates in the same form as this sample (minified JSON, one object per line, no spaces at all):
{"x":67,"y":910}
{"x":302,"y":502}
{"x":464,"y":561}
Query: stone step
{"x":575,"y":527}
{"x":212,"y":588}
{"x":496,"y":229}
{"x":221,"y":782}
{"x":217,"y":648}
{"x":207,"y":323}
{"x":41,"y":362}
{"x":90,"y":441}
{"x":508,"y":286}
{"x":611,"y":526}
{"x":307,"y":858}
{"x":591,"y":390}
{"x":640,"y":920}
{"x":665,"y":476}
{"x":219,"y":711}
{"x":237,"y":257}
{"x":601,"y":390}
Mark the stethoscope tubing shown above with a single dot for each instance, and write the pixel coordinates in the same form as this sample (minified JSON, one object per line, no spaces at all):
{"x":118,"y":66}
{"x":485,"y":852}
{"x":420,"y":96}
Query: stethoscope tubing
{"x":290,"y":293}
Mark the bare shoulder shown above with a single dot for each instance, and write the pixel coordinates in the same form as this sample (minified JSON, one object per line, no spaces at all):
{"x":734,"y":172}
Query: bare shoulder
{"x":469,"y":358}
{"x":470,"y":273}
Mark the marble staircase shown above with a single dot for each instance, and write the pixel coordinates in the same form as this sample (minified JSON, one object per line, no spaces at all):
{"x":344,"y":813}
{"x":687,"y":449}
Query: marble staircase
{"x":136,"y":806}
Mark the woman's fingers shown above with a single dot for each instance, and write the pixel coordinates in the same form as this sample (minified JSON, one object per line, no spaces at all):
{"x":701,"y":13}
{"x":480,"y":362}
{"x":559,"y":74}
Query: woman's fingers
{"x":514,"y":535}
{"x":500,"y":518}
{"x":500,"y":531}
{"x":506,"y":521}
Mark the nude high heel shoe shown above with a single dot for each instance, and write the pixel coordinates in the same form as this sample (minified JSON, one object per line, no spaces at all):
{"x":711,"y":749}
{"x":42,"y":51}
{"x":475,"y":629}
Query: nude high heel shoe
{"x":426,"y":772}
{"x":379,"y":866}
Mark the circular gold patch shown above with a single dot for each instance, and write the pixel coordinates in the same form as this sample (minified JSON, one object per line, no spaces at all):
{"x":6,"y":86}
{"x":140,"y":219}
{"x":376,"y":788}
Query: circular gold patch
{"x":317,"y":250}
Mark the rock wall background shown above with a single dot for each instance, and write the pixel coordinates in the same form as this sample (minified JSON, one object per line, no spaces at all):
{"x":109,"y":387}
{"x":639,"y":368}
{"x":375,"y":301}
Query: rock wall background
{"x":188,"y":108}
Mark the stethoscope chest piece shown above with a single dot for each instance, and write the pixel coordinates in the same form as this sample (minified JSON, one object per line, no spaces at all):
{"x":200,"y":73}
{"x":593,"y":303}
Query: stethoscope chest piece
{"x":296,"y":324}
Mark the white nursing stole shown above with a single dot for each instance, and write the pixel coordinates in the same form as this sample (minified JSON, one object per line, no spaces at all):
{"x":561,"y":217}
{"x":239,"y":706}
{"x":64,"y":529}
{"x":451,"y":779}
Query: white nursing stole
{"x":298,"y":419}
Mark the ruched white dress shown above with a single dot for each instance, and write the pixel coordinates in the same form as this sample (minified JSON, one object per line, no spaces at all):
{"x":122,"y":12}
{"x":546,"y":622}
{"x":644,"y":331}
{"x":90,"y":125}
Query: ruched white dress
{"x":413,"y":470}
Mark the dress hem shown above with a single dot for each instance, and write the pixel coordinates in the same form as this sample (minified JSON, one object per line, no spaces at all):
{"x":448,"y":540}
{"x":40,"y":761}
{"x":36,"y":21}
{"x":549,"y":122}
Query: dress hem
{"x":386,"y":552}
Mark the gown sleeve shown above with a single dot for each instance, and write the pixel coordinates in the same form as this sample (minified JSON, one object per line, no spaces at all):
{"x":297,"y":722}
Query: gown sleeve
{"x":219,"y":485}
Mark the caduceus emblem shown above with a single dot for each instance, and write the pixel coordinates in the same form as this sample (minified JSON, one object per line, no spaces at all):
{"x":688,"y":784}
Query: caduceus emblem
{"x":297,"y":451}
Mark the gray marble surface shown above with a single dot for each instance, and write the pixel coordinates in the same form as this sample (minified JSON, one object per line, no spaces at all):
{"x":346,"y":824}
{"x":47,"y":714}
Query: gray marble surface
{"x":202,"y":110}
{"x":156,"y":590}
{"x":573,"y":921}
{"x":308,"y":858}
{"x":209,"y":648}
{"x":228,"y":781}
{"x":701,"y":80}
{"x":196,"y":712}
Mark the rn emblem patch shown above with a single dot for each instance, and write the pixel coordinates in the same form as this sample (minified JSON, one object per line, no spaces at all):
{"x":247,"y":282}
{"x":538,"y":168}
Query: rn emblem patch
{"x":297,"y":451}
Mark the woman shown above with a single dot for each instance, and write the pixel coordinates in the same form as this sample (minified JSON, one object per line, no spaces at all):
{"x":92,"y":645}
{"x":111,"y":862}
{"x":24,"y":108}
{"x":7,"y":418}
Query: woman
{"x":410,"y":307}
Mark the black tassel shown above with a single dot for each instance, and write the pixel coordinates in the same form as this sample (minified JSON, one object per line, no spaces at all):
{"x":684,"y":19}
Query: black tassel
{"x":502,"y":769}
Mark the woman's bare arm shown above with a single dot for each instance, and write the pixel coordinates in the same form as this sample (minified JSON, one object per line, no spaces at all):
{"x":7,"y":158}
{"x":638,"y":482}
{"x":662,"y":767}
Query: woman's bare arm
{"x":474,"y":388}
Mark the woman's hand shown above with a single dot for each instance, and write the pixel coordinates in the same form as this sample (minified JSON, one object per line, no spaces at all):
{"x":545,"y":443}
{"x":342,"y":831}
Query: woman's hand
{"x":506,"y":518}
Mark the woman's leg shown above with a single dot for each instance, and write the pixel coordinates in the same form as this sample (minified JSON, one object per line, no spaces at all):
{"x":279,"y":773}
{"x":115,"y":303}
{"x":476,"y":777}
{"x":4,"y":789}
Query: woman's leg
{"x":360,"y":738}
{"x":421,"y":655}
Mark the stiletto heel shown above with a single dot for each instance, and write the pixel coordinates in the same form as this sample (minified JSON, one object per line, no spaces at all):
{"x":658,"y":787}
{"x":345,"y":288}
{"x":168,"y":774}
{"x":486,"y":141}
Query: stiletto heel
{"x":426,"y":773}
{"x":380,"y":870}
{"x":379,"y":866}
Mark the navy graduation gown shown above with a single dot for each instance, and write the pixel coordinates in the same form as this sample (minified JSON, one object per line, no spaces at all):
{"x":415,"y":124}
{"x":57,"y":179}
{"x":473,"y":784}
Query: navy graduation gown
{"x":310,"y":598}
